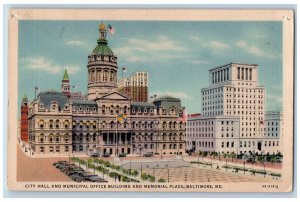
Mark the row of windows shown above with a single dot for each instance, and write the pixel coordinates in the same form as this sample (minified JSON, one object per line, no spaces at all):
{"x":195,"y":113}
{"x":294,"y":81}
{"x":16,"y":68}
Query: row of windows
{"x":151,"y":146}
{"x":200,"y":123}
{"x":50,"y":138}
{"x":218,"y":90}
{"x":53,"y":124}
{"x":106,"y":76}
{"x":220,"y":75}
{"x":51,"y":149}
{"x":201,"y":129}
{"x":244,"y":73}
{"x":198,"y":135}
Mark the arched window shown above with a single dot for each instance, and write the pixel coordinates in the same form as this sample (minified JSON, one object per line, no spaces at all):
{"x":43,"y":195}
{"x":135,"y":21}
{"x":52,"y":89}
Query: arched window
{"x":88,"y":125}
{"x":81,"y":124}
{"x":41,"y":123}
{"x":66,"y":124}
{"x":94,"y":137}
{"x":103,"y":124}
{"x":93,"y":75}
{"x":42,"y":149}
{"x":111,"y":109}
{"x":57,"y":138}
{"x":66,"y":137}
{"x":112,"y":124}
{"x":94,"y":125}
{"x":164,"y":125}
{"x":105,"y":76}
{"x":51,"y":124}
{"x":51,"y":138}
{"x":42,"y":138}
{"x":57,"y":123}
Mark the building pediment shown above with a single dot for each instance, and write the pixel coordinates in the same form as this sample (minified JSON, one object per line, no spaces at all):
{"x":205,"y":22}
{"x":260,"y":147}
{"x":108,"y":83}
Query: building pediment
{"x":115,"y":96}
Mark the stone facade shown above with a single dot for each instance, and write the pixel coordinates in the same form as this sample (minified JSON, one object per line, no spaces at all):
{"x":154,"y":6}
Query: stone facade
{"x":60,"y":123}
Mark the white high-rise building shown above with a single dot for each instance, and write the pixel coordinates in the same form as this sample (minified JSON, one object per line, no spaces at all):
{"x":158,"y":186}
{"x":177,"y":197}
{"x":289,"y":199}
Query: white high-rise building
{"x":233,"y":92}
{"x":273,"y":132}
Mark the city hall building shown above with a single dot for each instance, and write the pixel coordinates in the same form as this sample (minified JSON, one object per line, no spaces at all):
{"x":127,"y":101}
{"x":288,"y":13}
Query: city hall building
{"x":65,"y":122}
{"x":233,"y":114}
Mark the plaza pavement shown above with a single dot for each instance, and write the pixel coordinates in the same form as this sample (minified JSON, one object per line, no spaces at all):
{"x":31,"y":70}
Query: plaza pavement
{"x":38,"y":169}
{"x":180,"y":169}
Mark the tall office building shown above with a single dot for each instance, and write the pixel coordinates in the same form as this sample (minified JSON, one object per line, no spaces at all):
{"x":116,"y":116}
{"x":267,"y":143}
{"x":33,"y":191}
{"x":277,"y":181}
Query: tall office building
{"x":135,"y":87}
{"x":234,"y":92}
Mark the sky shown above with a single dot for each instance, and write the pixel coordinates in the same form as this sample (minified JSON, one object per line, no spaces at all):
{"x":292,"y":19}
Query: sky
{"x":177,"y":54}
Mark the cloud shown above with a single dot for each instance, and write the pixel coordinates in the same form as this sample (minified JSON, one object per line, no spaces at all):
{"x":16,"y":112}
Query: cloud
{"x":76,"y":42}
{"x":160,"y":43}
{"x":214,"y":45}
{"x":161,"y":48}
{"x":217,"y":45}
{"x":45,"y":64}
{"x":181,"y":95}
{"x":198,"y":62}
{"x":254,"y":50}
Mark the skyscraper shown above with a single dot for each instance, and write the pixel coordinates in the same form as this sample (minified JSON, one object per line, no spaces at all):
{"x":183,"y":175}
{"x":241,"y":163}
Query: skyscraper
{"x":135,"y":87}
{"x":234,"y":92}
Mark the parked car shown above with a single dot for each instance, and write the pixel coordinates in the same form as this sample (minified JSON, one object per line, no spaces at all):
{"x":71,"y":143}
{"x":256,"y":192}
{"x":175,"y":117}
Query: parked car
{"x":94,"y":179}
{"x":67,"y":167}
{"x":122,"y":155}
{"x":106,"y":155}
{"x":86,"y":175}
{"x":59,"y":163}
{"x":77,"y":177}
{"x":95,"y":155}
{"x":148,"y":154}
{"x":73,"y":172}
{"x":67,"y":171}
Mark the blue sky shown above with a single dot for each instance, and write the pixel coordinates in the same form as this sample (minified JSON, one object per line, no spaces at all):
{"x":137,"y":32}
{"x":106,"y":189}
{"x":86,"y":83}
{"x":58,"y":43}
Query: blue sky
{"x":177,"y":55}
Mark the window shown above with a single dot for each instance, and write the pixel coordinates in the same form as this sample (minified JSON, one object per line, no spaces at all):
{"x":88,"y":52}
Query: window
{"x":57,"y":123}
{"x":66,"y":148}
{"x":41,"y":124}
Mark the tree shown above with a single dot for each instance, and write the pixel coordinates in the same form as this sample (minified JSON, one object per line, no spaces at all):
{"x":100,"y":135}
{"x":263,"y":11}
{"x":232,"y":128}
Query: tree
{"x":233,"y":155}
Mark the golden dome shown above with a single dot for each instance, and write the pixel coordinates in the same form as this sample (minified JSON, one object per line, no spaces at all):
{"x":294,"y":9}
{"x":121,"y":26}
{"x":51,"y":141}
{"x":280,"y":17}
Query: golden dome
{"x":102,"y":27}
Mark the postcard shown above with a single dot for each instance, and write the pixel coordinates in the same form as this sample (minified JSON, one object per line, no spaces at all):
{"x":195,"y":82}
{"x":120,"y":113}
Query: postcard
{"x":150,"y":100}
